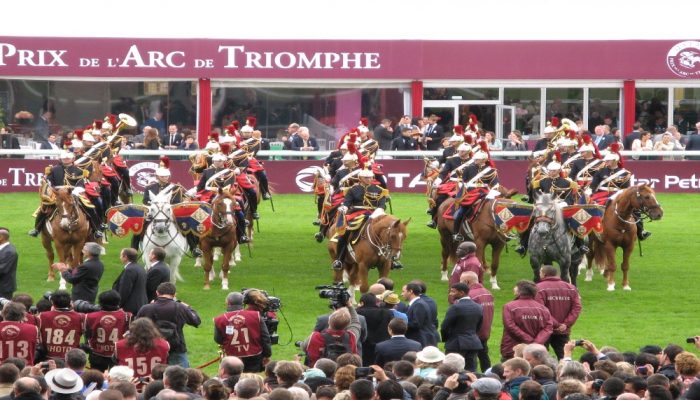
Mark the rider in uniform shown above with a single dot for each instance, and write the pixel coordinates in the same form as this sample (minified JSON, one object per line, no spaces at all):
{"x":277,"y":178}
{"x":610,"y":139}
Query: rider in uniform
{"x":360,"y":202}
{"x":251,"y":146}
{"x":239,"y":159}
{"x":584,"y":168}
{"x":345,"y":177}
{"x":479,"y":178}
{"x":610,"y":181}
{"x":446,"y":183}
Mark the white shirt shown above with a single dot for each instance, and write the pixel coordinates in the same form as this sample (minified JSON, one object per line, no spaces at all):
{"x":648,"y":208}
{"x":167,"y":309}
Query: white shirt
{"x":2,"y":246}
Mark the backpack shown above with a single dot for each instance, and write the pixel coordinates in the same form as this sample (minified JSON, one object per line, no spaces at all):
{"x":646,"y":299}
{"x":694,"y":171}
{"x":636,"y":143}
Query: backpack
{"x":334,"y":346}
{"x":168,"y":330}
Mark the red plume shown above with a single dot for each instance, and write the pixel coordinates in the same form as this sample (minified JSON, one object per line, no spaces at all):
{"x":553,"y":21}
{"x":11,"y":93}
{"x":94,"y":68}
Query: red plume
{"x":555,"y":122}
{"x":251,"y":121}
{"x":571,"y":134}
{"x":97,"y":124}
{"x":225,"y":148}
{"x":557,"y":156}
{"x":235,"y":124}
{"x":615,"y":147}
{"x":214,"y":136}
{"x":586,"y":139}
{"x":79,"y":133}
{"x":341,"y":140}
{"x":362,"y":161}
{"x":458,"y":130}
{"x":364,"y":122}
{"x":164,"y":161}
{"x":230,"y":129}
{"x":112,"y":119}
{"x":468,"y":139}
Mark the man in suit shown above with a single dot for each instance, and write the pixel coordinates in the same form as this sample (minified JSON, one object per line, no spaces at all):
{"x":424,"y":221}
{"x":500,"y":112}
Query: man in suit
{"x":8,"y":140}
{"x":303,"y":141}
{"x":86,"y":277}
{"x":395,"y":347}
{"x":462,"y":320}
{"x":131,"y":283}
{"x":694,"y":142}
{"x":636,"y":134}
{"x":8,"y":265}
{"x":433,"y":133}
{"x":172,"y":139}
{"x":384,"y":134}
{"x":420,"y":323}
{"x":41,"y":127}
{"x":377,"y":322}
{"x":50,"y":143}
{"x":432,"y":305}
{"x":157,"y":273}
{"x":601,"y":139}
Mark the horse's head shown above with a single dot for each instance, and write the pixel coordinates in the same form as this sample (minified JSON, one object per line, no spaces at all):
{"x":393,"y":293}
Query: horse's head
{"x":547,"y":214}
{"x":223,"y":209}
{"x":397,"y":232}
{"x":645,"y":201}
{"x":160,"y":212}
{"x":65,"y":204}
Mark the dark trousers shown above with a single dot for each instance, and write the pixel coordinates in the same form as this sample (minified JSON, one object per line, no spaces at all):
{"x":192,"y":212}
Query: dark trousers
{"x":252,"y":199}
{"x":101,"y":363}
{"x":557,"y":341}
{"x":483,"y":355}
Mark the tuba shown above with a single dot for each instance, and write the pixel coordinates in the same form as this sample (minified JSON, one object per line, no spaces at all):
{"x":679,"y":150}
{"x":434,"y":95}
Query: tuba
{"x":115,"y":141}
{"x":566,"y":126}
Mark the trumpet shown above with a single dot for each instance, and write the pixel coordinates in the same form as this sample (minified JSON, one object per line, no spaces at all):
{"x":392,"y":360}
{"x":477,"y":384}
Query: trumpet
{"x":125,"y":121}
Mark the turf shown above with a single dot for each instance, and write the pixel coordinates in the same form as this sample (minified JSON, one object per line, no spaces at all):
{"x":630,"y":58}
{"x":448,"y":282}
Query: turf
{"x":287,"y":262}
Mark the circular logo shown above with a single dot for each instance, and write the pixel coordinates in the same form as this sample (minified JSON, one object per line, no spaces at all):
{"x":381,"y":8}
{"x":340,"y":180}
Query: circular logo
{"x":62,"y":321}
{"x":9,"y":332}
{"x":108,"y":321}
{"x":305,"y":178}
{"x":684,"y":59}
{"x":142,"y":175}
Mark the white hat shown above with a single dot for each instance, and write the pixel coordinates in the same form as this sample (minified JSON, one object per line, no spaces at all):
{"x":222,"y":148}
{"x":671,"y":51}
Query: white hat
{"x":363,"y":129}
{"x":247,"y":129}
{"x":96,"y":132}
{"x":226,"y":139}
{"x":65,"y":155}
{"x":434,"y":164}
{"x":64,"y":380}
{"x":212,"y":146}
{"x":87,"y":137}
{"x":456,"y":138}
{"x":162,"y":172}
{"x":480,"y":155}
{"x":349,"y":157}
{"x":586,"y":147}
{"x":430,"y":354}
{"x":107,"y":125}
{"x":75,"y":143}
{"x":553,"y":166}
{"x":366,"y":173}
{"x":218,"y":157}
{"x":464,"y":147}
{"x":121,"y":373}
{"x":611,"y":157}
{"x":562,"y":142}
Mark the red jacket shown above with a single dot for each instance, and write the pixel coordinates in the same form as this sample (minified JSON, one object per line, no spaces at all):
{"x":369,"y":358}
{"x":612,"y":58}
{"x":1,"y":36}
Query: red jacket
{"x":483,"y":297}
{"x":561,"y":299}
{"x":466,"y":264}
{"x":524,"y":321}
{"x":316,"y":345}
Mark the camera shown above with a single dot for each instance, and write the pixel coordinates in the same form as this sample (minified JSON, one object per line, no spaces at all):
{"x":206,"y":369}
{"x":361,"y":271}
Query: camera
{"x":45,"y":366}
{"x":642,"y":370}
{"x":690,"y":340}
{"x":4,"y":301}
{"x":363,"y":372}
{"x":463,"y":378}
{"x":579,"y":342}
{"x":337,"y":295}
{"x":85,"y":307}
{"x":272,"y":305}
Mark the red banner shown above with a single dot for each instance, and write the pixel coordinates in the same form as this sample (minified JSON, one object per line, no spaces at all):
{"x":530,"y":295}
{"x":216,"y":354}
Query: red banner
{"x":17,"y":175}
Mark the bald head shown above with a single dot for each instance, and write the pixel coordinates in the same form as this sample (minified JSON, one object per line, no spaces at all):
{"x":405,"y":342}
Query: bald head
{"x":469,"y":278}
{"x":26,"y":385}
{"x":4,"y":235}
{"x":230,"y":366}
{"x":234,"y":299}
{"x":628,"y":396}
{"x":377,"y":289}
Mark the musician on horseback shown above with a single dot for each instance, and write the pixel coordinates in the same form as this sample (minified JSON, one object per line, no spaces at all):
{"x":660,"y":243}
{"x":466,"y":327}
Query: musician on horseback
{"x":239,"y":159}
{"x":584,"y":168}
{"x":446,"y":182}
{"x":64,"y":174}
{"x":252,"y":145}
{"x":536,"y":171}
{"x":610,"y":181}
{"x":360,"y":202}
{"x":479,"y":179}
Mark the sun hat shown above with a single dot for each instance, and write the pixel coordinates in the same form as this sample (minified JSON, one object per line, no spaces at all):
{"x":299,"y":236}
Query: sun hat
{"x":430,"y":354}
{"x":64,"y":380}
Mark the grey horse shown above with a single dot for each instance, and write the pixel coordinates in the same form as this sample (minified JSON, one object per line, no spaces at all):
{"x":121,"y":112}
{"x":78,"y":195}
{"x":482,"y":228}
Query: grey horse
{"x":549,"y":240}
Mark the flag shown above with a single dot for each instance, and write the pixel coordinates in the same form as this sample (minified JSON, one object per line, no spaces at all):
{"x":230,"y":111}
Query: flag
{"x":582,"y":219}
{"x":193,"y":217}
{"x":126,"y":218}
{"x":509,"y":215}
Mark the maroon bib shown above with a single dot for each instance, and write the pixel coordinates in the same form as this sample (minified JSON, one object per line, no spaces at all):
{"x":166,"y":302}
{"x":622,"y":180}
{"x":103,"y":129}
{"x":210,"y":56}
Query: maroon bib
{"x":241,"y":332}
{"x":106,"y":328}
{"x":60,"y":331}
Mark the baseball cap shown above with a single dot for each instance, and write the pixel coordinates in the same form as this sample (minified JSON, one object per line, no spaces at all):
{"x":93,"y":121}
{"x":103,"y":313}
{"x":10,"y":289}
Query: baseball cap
{"x":487,"y":386}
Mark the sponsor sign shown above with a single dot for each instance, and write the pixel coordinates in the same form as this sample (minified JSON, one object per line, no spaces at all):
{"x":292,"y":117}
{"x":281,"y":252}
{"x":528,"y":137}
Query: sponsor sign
{"x":296,"y":176}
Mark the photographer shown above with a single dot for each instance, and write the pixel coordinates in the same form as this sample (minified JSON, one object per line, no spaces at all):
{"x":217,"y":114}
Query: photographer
{"x":456,"y":387}
{"x":338,"y":296}
{"x":61,"y":328}
{"x":243,"y":333}
{"x":340,"y":337}
{"x":17,"y":338}
{"x":104,"y":328}
{"x":170,"y":316}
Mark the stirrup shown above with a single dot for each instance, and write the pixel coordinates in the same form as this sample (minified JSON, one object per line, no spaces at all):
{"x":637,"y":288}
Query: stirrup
{"x":643,"y":235}
{"x":432,"y":224}
{"x":521,"y":250}
{"x":256,"y":215}
{"x":99,"y":234}
{"x":337,"y":265}
{"x":457,"y":237}
{"x":33,"y":233}
{"x":396,"y":265}
{"x":244,"y":239}
{"x":316,"y":222}
{"x":583,"y":249}
{"x":266,"y":196}
{"x":319,"y":237}
{"x":196,"y":252}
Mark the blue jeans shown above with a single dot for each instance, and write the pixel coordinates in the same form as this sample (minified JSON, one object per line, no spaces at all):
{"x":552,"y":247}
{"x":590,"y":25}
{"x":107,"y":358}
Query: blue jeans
{"x":178,"y":359}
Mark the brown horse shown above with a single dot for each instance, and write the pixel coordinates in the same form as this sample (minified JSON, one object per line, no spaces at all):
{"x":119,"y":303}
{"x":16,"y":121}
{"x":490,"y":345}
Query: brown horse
{"x":380,"y":243}
{"x":620,"y":230}
{"x":484,"y":231}
{"x":67,"y":228}
{"x":223,"y":235}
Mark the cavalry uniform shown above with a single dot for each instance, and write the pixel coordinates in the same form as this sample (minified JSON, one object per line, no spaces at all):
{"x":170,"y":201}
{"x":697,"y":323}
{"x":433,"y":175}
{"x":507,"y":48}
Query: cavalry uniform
{"x":252,"y":146}
{"x":478,"y":181}
{"x":448,"y":178}
{"x":536,"y":171}
{"x":239,"y":158}
{"x":178,"y":192}
{"x":563,"y":189}
{"x":608,"y":182}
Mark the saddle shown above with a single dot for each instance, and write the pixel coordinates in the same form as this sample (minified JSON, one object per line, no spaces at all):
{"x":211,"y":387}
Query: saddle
{"x":476,"y":209}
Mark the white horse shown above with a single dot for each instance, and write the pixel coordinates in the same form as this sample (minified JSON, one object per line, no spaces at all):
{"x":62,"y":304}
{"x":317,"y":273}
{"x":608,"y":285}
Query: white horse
{"x":163,"y":232}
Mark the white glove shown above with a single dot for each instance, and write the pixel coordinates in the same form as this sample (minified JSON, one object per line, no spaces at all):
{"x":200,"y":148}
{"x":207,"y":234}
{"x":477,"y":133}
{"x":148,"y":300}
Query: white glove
{"x":377,"y":213}
{"x":588,"y":191}
{"x":77,"y":190}
{"x":327,"y":178}
{"x":237,"y":171}
{"x":493,"y":193}
{"x":437,"y":182}
{"x":342,"y":209}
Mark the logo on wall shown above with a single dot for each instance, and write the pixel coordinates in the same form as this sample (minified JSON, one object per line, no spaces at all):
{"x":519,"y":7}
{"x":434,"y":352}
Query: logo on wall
{"x":305,"y":178}
{"x":142,"y":175}
{"x":684,"y":59}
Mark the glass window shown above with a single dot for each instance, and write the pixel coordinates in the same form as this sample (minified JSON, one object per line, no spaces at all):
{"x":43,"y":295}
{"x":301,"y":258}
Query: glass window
{"x":652,"y":108}
{"x":603,"y":107}
{"x":565,"y":103}
{"x":686,"y":107}
{"x":527,"y":109}
{"x":460,"y":93}
{"x":326,"y":112}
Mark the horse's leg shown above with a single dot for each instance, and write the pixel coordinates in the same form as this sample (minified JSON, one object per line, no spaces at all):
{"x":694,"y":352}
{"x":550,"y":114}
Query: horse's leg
{"x":611,"y":265}
{"x":625,"y":266}
{"x":481,"y":255}
{"x":237,"y":254}
{"x":589,"y":260}
{"x":63,"y":254}
{"x":354,"y":280}
{"x":573,"y":267}
{"x":496,"y":249}
{"x":363,"y":276}
{"x":535,"y":265}
{"x":217,"y":253}
{"x":446,"y":244}
{"x":48,"y":247}
{"x":208,"y":262}
{"x":228,"y":253}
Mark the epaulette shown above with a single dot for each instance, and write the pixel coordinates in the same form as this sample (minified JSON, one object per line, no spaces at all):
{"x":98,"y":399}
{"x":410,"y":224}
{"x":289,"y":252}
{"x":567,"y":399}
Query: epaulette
{"x":572,"y":184}
{"x":536,"y":183}
{"x":47,"y":170}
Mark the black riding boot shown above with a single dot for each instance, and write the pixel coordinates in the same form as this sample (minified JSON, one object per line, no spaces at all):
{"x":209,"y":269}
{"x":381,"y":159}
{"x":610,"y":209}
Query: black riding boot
{"x":641,"y":233}
{"x":240,"y":228}
{"x":264,"y":185}
{"x":136,"y":241}
{"x":252,"y":199}
{"x":114,"y":190}
{"x":459,"y":218}
{"x":192,"y":243}
{"x":319,"y":208}
{"x":524,"y":239}
{"x":341,"y":248}
{"x":95,"y":222}
{"x":581,"y":245}
{"x":39,"y":222}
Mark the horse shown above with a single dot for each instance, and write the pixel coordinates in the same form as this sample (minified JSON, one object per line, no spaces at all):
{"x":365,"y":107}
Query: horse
{"x":550,"y":241}
{"x":163,"y":232}
{"x":620,"y":230}
{"x":380,"y":242}
{"x":223,"y":235}
{"x":68,"y":228}
{"x":484,"y":231}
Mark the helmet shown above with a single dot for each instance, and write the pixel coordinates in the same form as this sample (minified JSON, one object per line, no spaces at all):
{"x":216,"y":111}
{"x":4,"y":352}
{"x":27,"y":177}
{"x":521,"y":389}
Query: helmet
{"x":212,"y":146}
{"x":538,"y":153}
{"x":553,"y":166}
{"x":611,"y":157}
{"x":218,"y":157}
{"x":162,"y":172}
{"x":349,"y":157}
{"x":586,"y":147}
{"x":87,"y":137}
{"x":366,"y":173}
{"x":66,"y":155}
{"x":464,"y":147}
{"x":480,"y":155}
{"x":247,"y":129}
{"x":456,"y":138}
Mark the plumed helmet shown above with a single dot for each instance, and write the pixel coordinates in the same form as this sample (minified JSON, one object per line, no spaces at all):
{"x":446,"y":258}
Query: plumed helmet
{"x":480,"y":155}
{"x":212,"y":146}
{"x":464,"y":147}
{"x":247,"y":129}
{"x":456,"y":138}
{"x":66,"y":155}
{"x":611,"y":157}
{"x":218,"y":157}
{"x":87,"y":137}
{"x":586,"y":147}
{"x":553,"y":166}
{"x":349,"y":157}
{"x":366,"y":173}
{"x":160,"y":171}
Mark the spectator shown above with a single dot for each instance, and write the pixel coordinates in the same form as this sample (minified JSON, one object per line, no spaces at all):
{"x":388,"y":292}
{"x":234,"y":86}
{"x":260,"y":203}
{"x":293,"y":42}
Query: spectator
{"x":64,"y":335}
{"x":158,"y":272}
{"x":494,"y":144}
{"x":303,"y":141}
{"x":86,"y":277}
{"x":694,"y":142}
{"x":64,"y":383}
{"x":175,"y":379}
{"x":668,"y":361}
{"x":9,"y":373}
{"x":230,"y":370}
{"x":288,"y":373}
{"x":213,"y":389}
{"x":26,"y":389}
{"x":18,"y":336}
{"x":189,"y":143}
{"x":291,"y":134}
{"x":462,"y":321}
{"x":644,"y":143}
{"x":103,"y":329}
{"x":524,"y":319}
{"x":612,"y":387}
{"x":384,"y":134}
{"x":246,"y":389}
{"x":377,"y":325}
{"x":433,"y":133}
{"x":41,"y":126}
{"x":172,"y":139}
{"x":564,"y":304}
{"x":428,"y":360}
{"x":195,"y":379}
{"x":137,"y":142}
{"x":151,"y":141}
{"x":143,"y":348}
{"x":531,"y":390}
{"x":343,"y":331}
{"x":391,"y":301}
{"x":76,"y":359}
{"x":8,"y":265}
{"x":688,"y":367}
{"x":515,"y":142}
{"x":601,"y":139}
{"x":51,"y":142}
{"x":171,"y":316}
{"x":131,"y":282}
{"x":395,"y":347}
{"x":665,"y":144}
{"x":635,"y":134}
{"x":126,"y":389}
{"x":421,"y":327}
{"x":516,"y":371}
{"x":486,"y":389}
{"x":466,"y":252}
{"x":156,"y":121}
{"x":483,"y":297}
{"x":405,"y":141}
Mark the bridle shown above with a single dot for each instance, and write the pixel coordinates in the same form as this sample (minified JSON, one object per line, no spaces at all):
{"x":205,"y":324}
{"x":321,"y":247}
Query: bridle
{"x":384,"y":249}
{"x":71,"y":216}
{"x":221,"y":216}
{"x":643,"y":209}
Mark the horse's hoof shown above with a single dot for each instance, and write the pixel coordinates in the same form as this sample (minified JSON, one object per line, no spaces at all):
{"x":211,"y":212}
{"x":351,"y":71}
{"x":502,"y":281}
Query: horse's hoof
{"x":627,"y":287}
{"x":50,"y":279}
{"x":232,"y":263}
{"x":207,"y":287}
{"x":198,"y":262}
{"x":611,"y":288}
{"x":61,"y":287}
{"x":237,"y":258}
{"x":224,"y":286}
{"x":589,"y":275}
{"x":443,"y":276}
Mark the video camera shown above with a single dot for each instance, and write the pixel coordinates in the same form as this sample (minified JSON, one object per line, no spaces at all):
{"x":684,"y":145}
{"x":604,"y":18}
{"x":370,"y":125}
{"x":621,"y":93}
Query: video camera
{"x":337,"y":294}
{"x":272,"y":305}
{"x":85,"y":307}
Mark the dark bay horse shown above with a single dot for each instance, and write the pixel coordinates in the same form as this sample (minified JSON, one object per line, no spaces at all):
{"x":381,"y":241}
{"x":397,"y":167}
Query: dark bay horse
{"x":223,"y":235}
{"x":379,"y":244}
{"x":620,"y":230}
{"x":67,"y":229}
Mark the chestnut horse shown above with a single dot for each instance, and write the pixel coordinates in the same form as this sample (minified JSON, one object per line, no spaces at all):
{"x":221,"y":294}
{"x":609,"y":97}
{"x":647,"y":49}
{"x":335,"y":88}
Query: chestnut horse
{"x":379,"y":244}
{"x":68,"y":228}
{"x":223,"y":235}
{"x":620,"y":230}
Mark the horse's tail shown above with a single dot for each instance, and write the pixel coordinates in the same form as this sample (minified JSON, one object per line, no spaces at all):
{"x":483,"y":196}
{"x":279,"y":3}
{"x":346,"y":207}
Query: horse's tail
{"x":599,"y":256}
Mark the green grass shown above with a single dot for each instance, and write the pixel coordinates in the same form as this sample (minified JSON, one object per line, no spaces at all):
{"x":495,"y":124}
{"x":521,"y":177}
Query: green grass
{"x":287,"y":262}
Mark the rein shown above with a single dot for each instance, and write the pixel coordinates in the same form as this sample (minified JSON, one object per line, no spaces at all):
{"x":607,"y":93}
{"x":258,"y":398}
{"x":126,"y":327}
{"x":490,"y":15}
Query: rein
{"x":73,"y":216}
{"x":643,"y":209}
{"x":384,"y":250}
{"x":167,"y":221}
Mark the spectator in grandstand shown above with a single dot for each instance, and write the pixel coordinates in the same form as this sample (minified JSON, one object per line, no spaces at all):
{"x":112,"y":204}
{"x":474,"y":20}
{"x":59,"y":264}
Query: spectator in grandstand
{"x":405,"y":141}
{"x":156,"y":121}
{"x":86,"y":277}
{"x":384,"y":134}
{"x":515,"y":142}
{"x":41,"y":126}
{"x":694,"y":142}
{"x":292,"y":130}
{"x":143,"y":348}
{"x":665,"y":144}
{"x":151,"y":141}
{"x":635,"y":134}
{"x":644,"y":143}
{"x":51,"y":142}
{"x":601,"y":139}
{"x":303,"y":141}
{"x":493,"y":143}
{"x":8,"y":141}
{"x":137,"y":142}
{"x":433,"y":133}
{"x":172,"y":139}
{"x":8,"y":265}
{"x":189,"y":143}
